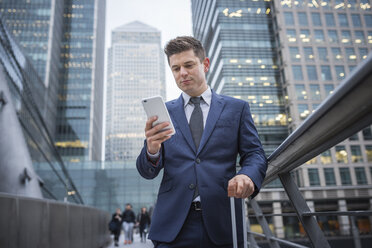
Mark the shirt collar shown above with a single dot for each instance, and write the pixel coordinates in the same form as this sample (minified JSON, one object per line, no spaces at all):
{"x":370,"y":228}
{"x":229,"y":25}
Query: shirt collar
{"x":207,"y":97}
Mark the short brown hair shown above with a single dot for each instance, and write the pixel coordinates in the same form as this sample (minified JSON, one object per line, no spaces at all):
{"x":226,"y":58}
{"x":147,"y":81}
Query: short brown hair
{"x":183,"y":44}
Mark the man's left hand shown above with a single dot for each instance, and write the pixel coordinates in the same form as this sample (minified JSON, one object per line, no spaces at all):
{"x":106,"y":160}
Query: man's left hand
{"x":240,"y":186}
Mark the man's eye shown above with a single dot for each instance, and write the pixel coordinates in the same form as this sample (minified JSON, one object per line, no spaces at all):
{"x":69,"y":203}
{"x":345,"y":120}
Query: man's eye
{"x":176,"y":69}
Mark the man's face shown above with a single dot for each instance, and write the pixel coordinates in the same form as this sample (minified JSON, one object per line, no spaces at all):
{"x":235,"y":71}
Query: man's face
{"x":189,"y":72}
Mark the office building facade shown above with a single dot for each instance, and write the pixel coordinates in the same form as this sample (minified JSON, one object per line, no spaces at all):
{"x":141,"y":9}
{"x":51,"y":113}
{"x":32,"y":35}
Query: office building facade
{"x":37,"y":27}
{"x":314,"y":45}
{"x":27,"y":91}
{"x":62,"y":40}
{"x":135,"y":71}
{"x":80,"y":97}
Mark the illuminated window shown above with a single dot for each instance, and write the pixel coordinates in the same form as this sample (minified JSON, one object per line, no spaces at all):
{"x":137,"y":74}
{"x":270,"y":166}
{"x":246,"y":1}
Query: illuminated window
{"x":330,"y":20}
{"x":300,"y":92}
{"x":303,"y":111}
{"x":311,"y":72}
{"x":313,"y":177}
{"x":336,"y":52}
{"x":295,"y":54}
{"x":315,"y":106}
{"x":305,"y":35}
{"x":369,"y":153}
{"x":297,"y":72}
{"x":322,"y":53}
{"x":363,"y":52}
{"x":345,"y":37}
{"x":329,"y":176}
{"x":311,"y":161}
{"x":319,"y":35}
{"x":326,"y":4}
{"x":345,"y":176}
{"x":340,"y":72}
{"x":328,"y":88}
{"x":326,"y":73}
{"x":291,"y":35}
{"x":309,"y":53}
{"x":315,"y":91}
{"x":341,"y":155}
{"x":359,"y":37}
{"x":356,"y":154}
{"x":360,"y":174}
{"x":350,"y":54}
{"x":325,"y":157}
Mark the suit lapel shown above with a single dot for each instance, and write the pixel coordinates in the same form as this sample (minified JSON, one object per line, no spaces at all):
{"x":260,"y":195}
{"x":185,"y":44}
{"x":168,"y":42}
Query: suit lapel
{"x":177,"y":111}
{"x":215,"y":110}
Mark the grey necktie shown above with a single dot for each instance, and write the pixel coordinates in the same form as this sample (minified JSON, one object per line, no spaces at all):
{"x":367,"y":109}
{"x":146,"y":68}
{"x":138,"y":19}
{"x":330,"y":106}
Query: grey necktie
{"x":196,"y":121}
{"x":196,"y":126}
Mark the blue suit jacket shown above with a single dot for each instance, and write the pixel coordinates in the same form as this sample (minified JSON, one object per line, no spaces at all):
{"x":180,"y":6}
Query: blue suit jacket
{"x":229,"y":131}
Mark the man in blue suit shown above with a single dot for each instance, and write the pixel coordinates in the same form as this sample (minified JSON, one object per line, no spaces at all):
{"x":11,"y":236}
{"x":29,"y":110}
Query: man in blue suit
{"x":199,"y":160}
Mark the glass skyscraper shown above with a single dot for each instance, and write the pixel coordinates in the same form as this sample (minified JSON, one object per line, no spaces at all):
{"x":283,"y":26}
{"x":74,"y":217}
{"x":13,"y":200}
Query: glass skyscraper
{"x":80,"y":96}
{"x":135,"y":71}
{"x":284,"y":58}
{"x":27,"y":91}
{"x":62,"y":40}
{"x":37,"y":26}
{"x":239,"y":38}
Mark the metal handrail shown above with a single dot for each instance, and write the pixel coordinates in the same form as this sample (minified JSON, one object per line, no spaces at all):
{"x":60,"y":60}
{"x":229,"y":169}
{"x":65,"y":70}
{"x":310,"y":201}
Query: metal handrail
{"x":286,"y":242}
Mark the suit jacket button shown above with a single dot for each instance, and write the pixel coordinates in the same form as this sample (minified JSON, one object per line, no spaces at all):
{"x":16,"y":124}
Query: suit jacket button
{"x":198,"y":160}
{"x":192,"y":186}
{"x":151,"y":170}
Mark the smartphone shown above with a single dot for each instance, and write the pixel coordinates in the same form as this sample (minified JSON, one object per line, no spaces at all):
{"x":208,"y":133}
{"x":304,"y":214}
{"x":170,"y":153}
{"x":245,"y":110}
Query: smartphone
{"x":155,"y":106}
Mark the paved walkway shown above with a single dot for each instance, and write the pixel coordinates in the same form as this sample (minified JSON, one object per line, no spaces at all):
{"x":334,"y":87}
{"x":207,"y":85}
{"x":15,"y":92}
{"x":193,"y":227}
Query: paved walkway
{"x":136,"y":244}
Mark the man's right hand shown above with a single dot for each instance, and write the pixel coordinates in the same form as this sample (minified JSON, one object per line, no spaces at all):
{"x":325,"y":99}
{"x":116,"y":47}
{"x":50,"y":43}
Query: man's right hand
{"x":154,"y":137}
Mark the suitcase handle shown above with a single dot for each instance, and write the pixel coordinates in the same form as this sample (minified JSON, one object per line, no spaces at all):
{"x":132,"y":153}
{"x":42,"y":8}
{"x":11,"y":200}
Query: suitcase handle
{"x":233,"y":223}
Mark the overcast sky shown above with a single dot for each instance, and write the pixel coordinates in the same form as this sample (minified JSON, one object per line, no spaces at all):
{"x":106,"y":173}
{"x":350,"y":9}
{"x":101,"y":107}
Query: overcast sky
{"x":171,"y":17}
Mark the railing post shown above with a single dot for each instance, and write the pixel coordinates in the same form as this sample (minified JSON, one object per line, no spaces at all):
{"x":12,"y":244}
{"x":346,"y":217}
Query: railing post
{"x":355,"y":232}
{"x":265,"y":226}
{"x":252,"y":242}
{"x":313,"y":231}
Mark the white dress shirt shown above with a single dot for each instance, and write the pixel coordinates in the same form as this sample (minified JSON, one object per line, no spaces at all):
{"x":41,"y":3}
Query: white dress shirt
{"x":189,"y":107}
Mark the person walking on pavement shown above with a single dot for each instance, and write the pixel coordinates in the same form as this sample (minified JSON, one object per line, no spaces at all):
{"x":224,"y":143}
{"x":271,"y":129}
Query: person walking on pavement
{"x":144,"y":222}
{"x":128,"y":218}
{"x":116,"y":218}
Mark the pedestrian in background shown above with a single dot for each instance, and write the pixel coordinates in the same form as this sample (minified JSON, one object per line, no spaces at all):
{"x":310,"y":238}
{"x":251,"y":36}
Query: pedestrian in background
{"x":144,"y":222}
{"x":129,"y":219}
{"x":116,"y":225}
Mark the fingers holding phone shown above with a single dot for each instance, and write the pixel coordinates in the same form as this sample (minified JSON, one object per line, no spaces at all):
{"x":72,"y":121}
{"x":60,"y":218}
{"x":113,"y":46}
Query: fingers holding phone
{"x":159,"y":126}
{"x":155,"y":135}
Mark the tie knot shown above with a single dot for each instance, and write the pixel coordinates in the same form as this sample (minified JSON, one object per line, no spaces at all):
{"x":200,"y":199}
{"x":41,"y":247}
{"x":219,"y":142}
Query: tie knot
{"x":195,"y":100}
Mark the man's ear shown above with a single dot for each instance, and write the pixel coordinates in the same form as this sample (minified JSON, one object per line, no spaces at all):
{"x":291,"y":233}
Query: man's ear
{"x":206,"y":64}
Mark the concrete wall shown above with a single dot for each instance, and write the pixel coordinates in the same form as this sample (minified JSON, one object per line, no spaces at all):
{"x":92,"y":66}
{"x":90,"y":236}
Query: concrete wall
{"x":30,"y":222}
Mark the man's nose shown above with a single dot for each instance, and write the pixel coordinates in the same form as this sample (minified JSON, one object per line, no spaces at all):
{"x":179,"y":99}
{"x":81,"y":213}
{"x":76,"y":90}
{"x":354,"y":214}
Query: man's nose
{"x":183,"y":71}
